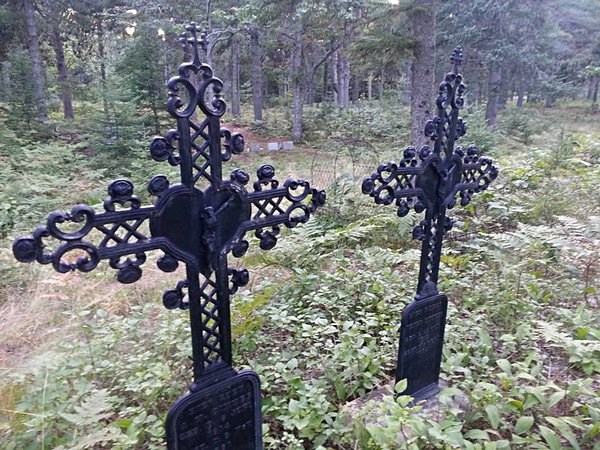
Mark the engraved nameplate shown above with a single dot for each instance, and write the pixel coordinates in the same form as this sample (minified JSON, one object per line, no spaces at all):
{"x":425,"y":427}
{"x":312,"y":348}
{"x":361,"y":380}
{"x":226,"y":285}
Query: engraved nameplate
{"x":421,"y":342}
{"x":222,"y":416}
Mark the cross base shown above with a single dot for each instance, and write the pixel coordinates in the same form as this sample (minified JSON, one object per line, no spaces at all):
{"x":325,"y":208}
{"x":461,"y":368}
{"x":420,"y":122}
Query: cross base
{"x":420,"y":349}
{"x":221,"y":415}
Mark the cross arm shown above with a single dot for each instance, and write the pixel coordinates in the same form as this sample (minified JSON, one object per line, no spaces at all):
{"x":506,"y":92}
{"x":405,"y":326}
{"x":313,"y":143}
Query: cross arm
{"x":274,"y":205}
{"x":398,"y":182}
{"x":110,"y":235}
{"x":477,"y":173}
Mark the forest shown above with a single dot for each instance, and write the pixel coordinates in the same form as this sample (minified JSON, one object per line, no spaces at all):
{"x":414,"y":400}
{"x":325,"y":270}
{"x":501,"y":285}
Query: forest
{"x":89,"y":363}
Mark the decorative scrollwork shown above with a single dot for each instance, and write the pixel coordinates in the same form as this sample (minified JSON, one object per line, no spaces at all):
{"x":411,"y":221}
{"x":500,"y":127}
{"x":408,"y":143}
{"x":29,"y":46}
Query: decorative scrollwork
{"x":398,"y":182}
{"x":268,"y":238}
{"x":85,"y":263}
{"x":31,"y":248}
{"x":198,"y":227}
{"x":478,"y":172}
{"x":177,"y":298}
{"x":180,"y":108}
{"x":129,"y":269}
{"x":430,"y":179}
{"x":289,"y":205}
{"x":119,"y":230}
{"x":216,"y":107}
{"x":447,"y":126}
{"x":79,"y":213}
{"x":265,"y":174}
{"x":233,"y":144}
{"x":240,"y":248}
{"x":237,"y":279}
{"x":121,"y":192}
{"x":163,"y":148}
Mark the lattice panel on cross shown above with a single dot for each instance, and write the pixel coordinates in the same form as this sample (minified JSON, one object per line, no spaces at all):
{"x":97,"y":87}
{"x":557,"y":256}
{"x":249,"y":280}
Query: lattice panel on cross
{"x":211,"y":322}
{"x":201,"y":161}
{"x":121,"y":233}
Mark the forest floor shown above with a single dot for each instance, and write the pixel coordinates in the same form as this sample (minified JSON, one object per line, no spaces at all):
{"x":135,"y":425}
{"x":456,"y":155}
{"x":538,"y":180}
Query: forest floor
{"x":318,"y":321}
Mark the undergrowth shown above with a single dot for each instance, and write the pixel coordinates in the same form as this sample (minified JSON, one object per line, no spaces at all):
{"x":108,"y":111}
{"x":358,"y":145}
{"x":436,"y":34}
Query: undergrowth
{"x":319,"y":322}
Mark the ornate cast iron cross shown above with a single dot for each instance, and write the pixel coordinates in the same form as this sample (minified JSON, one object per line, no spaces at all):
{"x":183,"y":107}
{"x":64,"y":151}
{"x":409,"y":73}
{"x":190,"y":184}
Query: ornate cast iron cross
{"x":429,"y":180}
{"x":197,"y":222}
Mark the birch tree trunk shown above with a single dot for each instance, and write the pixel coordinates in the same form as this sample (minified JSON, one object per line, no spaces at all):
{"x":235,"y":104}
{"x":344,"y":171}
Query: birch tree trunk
{"x":37,"y":71}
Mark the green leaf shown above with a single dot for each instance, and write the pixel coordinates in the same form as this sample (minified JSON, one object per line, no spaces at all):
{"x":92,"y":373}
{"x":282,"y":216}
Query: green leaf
{"x":401,"y":386}
{"x":504,"y":364}
{"x":302,"y":423}
{"x":493,"y":415}
{"x":484,"y":338}
{"x":294,"y":406}
{"x":555,"y":398}
{"x":477,"y":434}
{"x":550,"y":438}
{"x":123,"y":423}
{"x":530,"y":401}
{"x":565,"y":430}
{"x":523,"y":424}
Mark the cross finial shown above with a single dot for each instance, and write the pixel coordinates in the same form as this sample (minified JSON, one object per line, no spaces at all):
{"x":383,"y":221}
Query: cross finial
{"x":193,"y":36}
{"x":456,"y":59}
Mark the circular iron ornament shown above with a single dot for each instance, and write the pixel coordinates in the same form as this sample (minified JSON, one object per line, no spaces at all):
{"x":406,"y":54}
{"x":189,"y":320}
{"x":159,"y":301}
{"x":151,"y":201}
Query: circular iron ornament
{"x":319,"y":198}
{"x":129,"y":274}
{"x":239,"y":278}
{"x":167,"y":263}
{"x":237,"y":144}
{"x":175,"y":298}
{"x":403,"y":208}
{"x":121,"y":192}
{"x":158,"y":185}
{"x":26,"y":249}
{"x":268,"y":238}
{"x":240,"y":176}
{"x":240,"y":248}
{"x":160,"y":150}
{"x":265,"y":172}
{"x":368,"y":185}
{"x":120,"y":189}
{"x":172,"y":299}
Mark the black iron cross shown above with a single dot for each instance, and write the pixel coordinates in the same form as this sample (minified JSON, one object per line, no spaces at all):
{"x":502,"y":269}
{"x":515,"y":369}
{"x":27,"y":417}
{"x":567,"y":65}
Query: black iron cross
{"x":429,"y":180}
{"x":198,"y":227}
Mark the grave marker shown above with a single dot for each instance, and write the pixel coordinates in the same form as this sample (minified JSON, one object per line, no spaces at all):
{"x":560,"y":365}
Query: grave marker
{"x":428,"y":180}
{"x":197,"y":222}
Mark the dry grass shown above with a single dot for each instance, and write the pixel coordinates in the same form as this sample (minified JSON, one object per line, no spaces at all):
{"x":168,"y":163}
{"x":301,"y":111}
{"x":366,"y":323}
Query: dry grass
{"x":45,"y":307}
